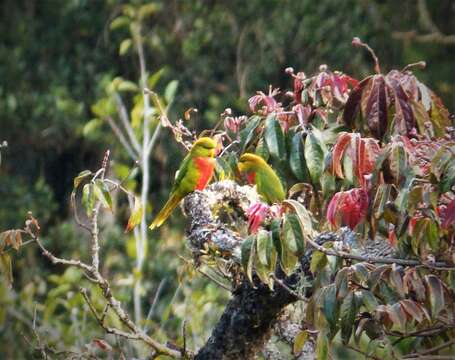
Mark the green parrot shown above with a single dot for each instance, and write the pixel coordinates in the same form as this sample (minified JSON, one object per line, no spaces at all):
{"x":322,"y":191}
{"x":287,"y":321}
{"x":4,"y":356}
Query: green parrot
{"x":258,"y":172}
{"x":194,"y":173}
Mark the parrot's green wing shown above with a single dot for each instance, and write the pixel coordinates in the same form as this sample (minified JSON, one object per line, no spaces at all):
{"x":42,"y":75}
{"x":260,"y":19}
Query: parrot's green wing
{"x":181,"y":172}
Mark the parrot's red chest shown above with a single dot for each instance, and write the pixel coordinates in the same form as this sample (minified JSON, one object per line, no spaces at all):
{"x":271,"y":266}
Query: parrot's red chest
{"x":251,"y":177}
{"x":205,"y":166}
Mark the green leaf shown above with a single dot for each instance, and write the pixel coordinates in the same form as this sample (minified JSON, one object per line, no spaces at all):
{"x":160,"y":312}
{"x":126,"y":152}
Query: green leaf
{"x":398,"y":163}
{"x":119,"y":22}
{"x":154,"y":78}
{"x":297,"y":158}
{"x":102,"y":194}
{"x":348,"y":311}
{"x":342,"y":282}
{"x":263,"y":273}
{"x":91,"y":126}
{"x":314,"y":156}
{"x":294,"y":236}
{"x":261,"y":150}
{"x":247,"y":134}
{"x":7,"y":268}
{"x":299,"y":341}
{"x":88,"y":199}
{"x":125,"y":45}
{"x":127,"y":86}
{"x":276,"y":229}
{"x":322,"y":346}
{"x":435,"y":295}
{"x":147,"y":10}
{"x":303,"y":215}
{"x":288,"y":259}
{"x":136,"y":215}
{"x":329,"y":306}
{"x":369,"y":300}
{"x":170,"y":91}
{"x":82,"y":175}
{"x":264,"y":246}
{"x":448,"y":178}
{"x":274,"y":138}
{"x":318,"y":261}
{"x":247,"y":255}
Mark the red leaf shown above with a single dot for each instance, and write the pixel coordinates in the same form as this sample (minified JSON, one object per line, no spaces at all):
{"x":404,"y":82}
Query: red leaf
{"x":298,"y":87}
{"x":376,"y":109}
{"x":448,"y":215}
{"x":352,"y":107}
{"x":368,"y":153}
{"x":393,"y":241}
{"x":338,"y":150}
{"x":332,"y":209}
{"x":348,"y":208}
{"x":404,"y":117}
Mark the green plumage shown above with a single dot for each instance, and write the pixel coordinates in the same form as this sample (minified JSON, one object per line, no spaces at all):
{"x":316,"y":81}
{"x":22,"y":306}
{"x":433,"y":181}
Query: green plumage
{"x":268,"y":184}
{"x":194,"y":173}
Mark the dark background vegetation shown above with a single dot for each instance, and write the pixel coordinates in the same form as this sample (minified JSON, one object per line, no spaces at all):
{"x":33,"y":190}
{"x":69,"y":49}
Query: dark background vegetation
{"x":55,"y":58}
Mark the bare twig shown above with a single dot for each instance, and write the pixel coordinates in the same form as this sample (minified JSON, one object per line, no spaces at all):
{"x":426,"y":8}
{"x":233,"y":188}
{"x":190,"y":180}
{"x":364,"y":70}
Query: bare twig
{"x":210,"y":277}
{"x":367,"y":356}
{"x":155,"y":300}
{"x":287,"y":288}
{"x":418,"y":355}
{"x":56,"y":260}
{"x":357,"y":42}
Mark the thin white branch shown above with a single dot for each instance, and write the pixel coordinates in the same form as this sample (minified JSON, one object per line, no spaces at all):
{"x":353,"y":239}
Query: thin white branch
{"x":121,"y":138}
{"x":126,"y":122}
{"x":145,"y":157}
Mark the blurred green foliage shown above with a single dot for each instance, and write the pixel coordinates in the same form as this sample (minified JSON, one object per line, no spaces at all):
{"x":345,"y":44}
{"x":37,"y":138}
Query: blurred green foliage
{"x":57,"y":59}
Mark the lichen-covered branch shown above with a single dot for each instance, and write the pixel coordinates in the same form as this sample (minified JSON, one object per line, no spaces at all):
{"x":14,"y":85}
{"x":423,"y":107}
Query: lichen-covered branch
{"x":252,"y":315}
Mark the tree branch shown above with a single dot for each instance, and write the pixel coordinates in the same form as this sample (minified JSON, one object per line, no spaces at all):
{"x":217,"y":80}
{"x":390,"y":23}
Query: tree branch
{"x":121,"y":137}
{"x":126,"y":122}
{"x":434,"y":34}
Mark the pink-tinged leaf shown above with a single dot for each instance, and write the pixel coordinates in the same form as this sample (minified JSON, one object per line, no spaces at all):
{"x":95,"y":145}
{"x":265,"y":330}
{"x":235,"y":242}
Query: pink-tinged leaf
{"x":414,"y":283}
{"x":396,"y":280}
{"x":404,"y":117}
{"x":435,"y":294}
{"x":265,"y":103}
{"x":352,"y":107}
{"x":407,"y":81}
{"x":376,"y":109}
{"x":397,"y":315}
{"x":413,"y":309}
{"x":256,"y":215}
{"x":448,"y":215}
{"x":338,"y":150}
{"x":303,"y":113}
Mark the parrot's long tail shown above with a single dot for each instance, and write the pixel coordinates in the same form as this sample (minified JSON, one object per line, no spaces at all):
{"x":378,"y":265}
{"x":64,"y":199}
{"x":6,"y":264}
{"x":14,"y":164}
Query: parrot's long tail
{"x":166,"y":211}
